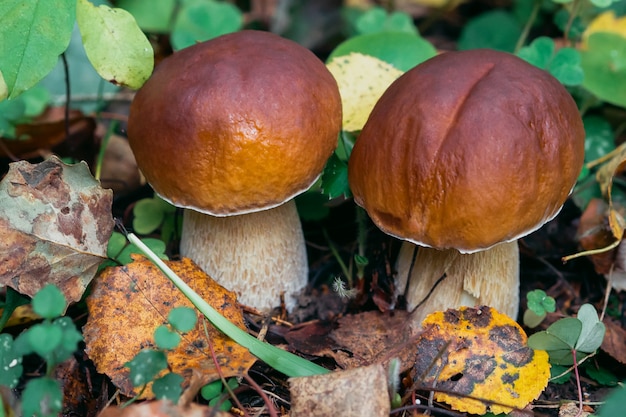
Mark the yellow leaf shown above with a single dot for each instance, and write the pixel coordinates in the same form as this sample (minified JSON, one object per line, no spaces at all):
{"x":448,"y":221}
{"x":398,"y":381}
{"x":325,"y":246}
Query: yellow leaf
{"x":128,"y":303}
{"x":605,"y":22}
{"x":362,"y":79}
{"x":479,"y":353}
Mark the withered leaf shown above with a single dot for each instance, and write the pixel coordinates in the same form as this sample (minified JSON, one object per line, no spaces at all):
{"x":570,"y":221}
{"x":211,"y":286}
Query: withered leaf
{"x":129,"y":302}
{"x":481,"y":353}
{"x":55,"y":222}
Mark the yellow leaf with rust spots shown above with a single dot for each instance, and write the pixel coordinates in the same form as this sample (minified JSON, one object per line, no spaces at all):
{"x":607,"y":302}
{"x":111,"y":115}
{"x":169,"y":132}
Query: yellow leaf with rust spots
{"x":362,"y":79}
{"x":479,"y":353}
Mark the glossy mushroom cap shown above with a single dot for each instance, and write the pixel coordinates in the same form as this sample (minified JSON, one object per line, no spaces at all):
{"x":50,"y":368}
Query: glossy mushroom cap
{"x":466,"y":150}
{"x":237,"y":124}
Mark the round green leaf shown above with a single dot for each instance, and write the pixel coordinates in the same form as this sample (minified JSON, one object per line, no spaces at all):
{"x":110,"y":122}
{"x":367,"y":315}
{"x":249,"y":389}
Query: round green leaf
{"x":165,"y":338}
{"x":32,"y":36}
{"x":148,"y":216}
{"x":201,"y":20}
{"x":182,"y":319}
{"x":211,"y":390}
{"x":44,"y":338}
{"x":145,"y":366}
{"x":539,"y":52}
{"x":400,"y":49}
{"x":42,"y":397}
{"x":10,"y":362}
{"x":592,"y":331}
{"x":496,"y":29}
{"x":561,"y":335}
{"x":49,"y":302}
{"x":114,"y":44}
{"x":377,"y":19}
{"x":614,"y":403}
{"x":565,"y":67}
{"x":168,"y":387}
{"x":117,"y":242}
{"x":157,"y":246}
{"x":604,"y":64}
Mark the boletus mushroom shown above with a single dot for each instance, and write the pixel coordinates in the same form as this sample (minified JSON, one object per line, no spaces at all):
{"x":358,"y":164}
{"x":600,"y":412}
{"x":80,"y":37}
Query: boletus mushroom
{"x":463,"y":155}
{"x":231,"y":130}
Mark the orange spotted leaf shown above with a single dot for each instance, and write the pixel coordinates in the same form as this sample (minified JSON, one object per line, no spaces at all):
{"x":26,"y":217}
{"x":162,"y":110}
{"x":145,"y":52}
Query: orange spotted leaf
{"x":129,"y":302}
{"x":481,"y":355}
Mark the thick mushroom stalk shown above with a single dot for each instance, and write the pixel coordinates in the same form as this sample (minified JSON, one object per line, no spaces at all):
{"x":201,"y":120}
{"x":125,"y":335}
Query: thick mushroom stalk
{"x":261,"y":256}
{"x":438,"y":279}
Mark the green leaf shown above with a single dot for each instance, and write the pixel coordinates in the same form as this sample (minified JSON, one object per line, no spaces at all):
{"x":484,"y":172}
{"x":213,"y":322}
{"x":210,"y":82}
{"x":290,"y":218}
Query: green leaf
{"x":168,"y":387}
{"x":604,"y":64}
{"x":10,"y":362}
{"x":32,"y":36}
{"x":376,"y":19}
{"x":183,"y":319}
{"x":556,"y":370}
{"x":114,"y":44}
{"x":532,"y":319}
{"x":148,"y":216}
{"x":201,"y":20}
{"x":561,"y":335}
{"x":212,"y":390}
{"x":540,"y":303}
{"x":495,"y":29}
{"x":49,"y":302}
{"x":592,"y":332}
{"x":312,"y":205}
{"x":69,"y":342}
{"x":166,"y":338}
{"x":335,"y":178}
{"x":539,"y":52}
{"x":156,"y":245}
{"x":600,"y":139}
{"x":42,"y":397}
{"x":614,"y":403}
{"x":563,"y":64}
{"x":601,"y":375}
{"x":400,"y":49}
{"x":151,"y":16}
{"x":145,"y":366}
{"x":4,"y":89}
{"x":44,"y":338}
{"x":117,"y":242}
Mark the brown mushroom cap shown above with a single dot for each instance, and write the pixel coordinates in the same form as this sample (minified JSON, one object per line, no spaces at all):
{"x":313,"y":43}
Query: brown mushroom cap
{"x":236,"y":124}
{"x":466,"y":150}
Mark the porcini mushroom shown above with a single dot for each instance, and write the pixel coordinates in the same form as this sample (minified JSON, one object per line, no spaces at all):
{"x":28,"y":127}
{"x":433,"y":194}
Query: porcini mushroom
{"x":463,"y":155}
{"x":232,"y":129}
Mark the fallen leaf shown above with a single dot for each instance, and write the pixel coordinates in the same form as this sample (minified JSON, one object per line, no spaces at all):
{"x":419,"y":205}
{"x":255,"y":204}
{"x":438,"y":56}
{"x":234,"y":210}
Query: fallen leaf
{"x":614,"y":340}
{"x":362,"y":79}
{"x":352,"y":393}
{"x":481,"y":353}
{"x":129,"y":302}
{"x":55,"y":222}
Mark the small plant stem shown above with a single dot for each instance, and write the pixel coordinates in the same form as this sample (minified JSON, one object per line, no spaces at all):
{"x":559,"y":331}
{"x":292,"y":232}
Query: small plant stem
{"x":570,"y":21}
{"x":591,"y":251}
{"x":270,"y":407}
{"x":580,"y":391}
{"x":361,"y":239}
{"x":529,"y":24}
{"x":103,"y":147}
{"x":335,"y":252}
{"x":283,"y":361}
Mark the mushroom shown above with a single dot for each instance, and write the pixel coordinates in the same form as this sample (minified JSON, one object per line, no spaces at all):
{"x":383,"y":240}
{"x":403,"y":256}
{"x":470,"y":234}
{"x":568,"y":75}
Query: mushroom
{"x":463,"y":155}
{"x":231,"y":130}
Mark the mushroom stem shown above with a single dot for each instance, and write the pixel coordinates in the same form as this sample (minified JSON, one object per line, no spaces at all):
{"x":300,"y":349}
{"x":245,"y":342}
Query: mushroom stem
{"x":489,"y":277}
{"x":258,"y":255}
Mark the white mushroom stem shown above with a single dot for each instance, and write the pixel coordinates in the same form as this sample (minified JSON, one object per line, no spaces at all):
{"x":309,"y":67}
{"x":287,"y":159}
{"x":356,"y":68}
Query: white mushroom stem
{"x":259,"y":255}
{"x":489,"y":277}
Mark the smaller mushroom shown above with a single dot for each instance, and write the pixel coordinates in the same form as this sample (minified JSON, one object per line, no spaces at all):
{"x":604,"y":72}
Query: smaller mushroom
{"x":232,"y":129}
{"x":463,"y":155}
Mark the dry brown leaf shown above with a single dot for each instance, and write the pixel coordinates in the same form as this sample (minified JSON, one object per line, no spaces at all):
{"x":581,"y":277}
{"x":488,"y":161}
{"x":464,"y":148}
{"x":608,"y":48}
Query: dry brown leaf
{"x":55,"y":222}
{"x":614,"y":340}
{"x":482,"y":353}
{"x":352,"y":393}
{"x":162,"y":408}
{"x":129,"y":302}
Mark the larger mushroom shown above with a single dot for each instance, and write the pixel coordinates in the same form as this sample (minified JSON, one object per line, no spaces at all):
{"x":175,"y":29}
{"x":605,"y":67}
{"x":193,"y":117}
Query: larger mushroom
{"x":232,"y":129}
{"x":463,"y":155}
